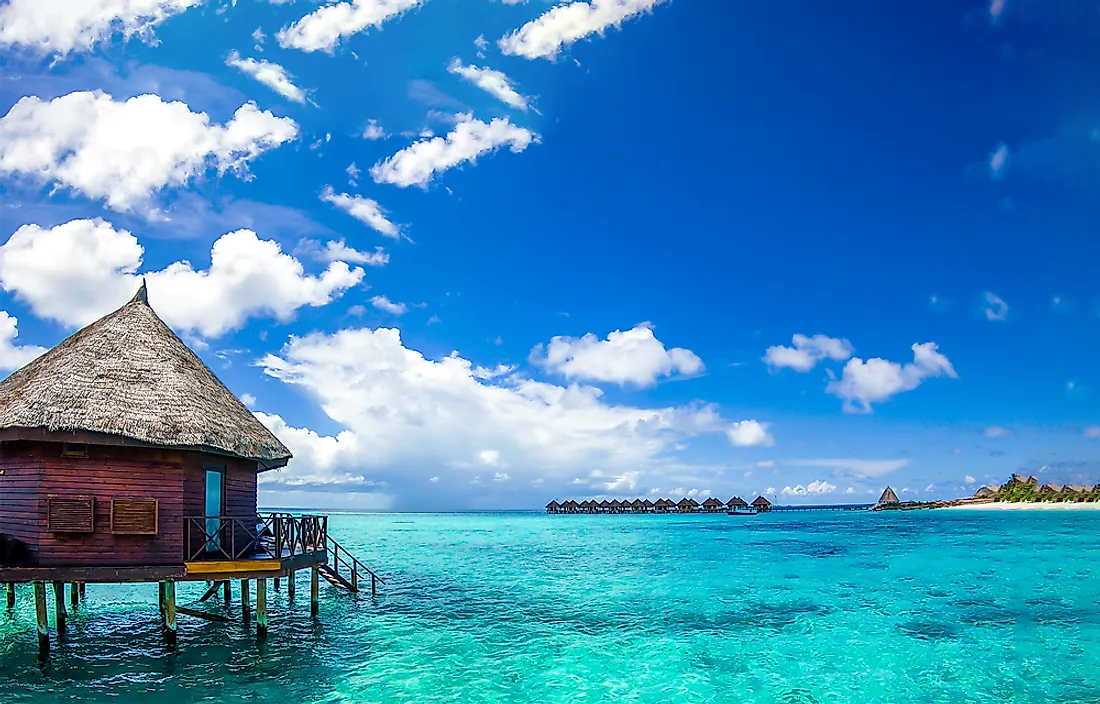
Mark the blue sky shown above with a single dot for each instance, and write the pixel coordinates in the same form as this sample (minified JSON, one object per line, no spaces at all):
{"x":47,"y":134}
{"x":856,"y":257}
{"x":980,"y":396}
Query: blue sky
{"x":571,"y":258}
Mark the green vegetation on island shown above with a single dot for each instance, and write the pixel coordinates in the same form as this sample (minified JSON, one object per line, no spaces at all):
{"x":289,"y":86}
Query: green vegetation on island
{"x":1021,"y":489}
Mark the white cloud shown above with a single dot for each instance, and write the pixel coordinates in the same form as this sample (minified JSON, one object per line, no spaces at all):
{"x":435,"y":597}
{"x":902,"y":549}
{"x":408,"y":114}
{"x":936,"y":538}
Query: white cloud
{"x":627,"y":481}
{"x":996,"y":431}
{"x":863,"y":383}
{"x":633,"y":357}
{"x":766,"y":464}
{"x":78,"y":271}
{"x":770,"y":490}
{"x":807,"y":352}
{"x":126,"y":151}
{"x":63,"y":26}
{"x":811,"y":489}
{"x":998,"y":160}
{"x":501,"y":477}
{"x":1093,"y":431}
{"x":470,"y":138}
{"x":258,"y":36}
{"x":996,"y":7}
{"x":13,"y":356}
{"x":749,"y":433}
{"x":481,"y":45}
{"x":434,"y":480}
{"x":493,"y":82}
{"x":386,"y":305}
{"x":365,"y":210}
{"x":409,"y":415}
{"x":995,"y":308}
{"x":271,"y":75}
{"x":322,"y":29}
{"x":544,"y":36}
{"x":861,"y":469}
{"x":373,"y":131}
{"x":339,"y":251}
{"x":248,"y":400}
{"x":969,"y":479}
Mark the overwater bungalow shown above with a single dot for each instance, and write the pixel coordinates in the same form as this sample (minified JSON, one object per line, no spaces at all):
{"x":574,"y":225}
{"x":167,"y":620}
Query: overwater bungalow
{"x":648,"y":506}
{"x":123,"y":458}
{"x":713,"y":505}
{"x":687,"y":505}
{"x":888,"y":497}
{"x":604,"y":506}
{"x":638,"y":506}
{"x":761,"y":504}
{"x":553,"y":507}
{"x":589,"y":506}
{"x":736,"y":503}
{"x":570,"y":506}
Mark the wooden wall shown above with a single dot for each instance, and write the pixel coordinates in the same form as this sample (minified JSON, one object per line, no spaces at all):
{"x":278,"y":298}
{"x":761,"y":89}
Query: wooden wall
{"x":33,"y":470}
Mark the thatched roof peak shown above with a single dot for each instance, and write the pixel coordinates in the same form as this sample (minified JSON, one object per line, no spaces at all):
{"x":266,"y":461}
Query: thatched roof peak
{"x":128,"y":376}
{"x":889,"y":497}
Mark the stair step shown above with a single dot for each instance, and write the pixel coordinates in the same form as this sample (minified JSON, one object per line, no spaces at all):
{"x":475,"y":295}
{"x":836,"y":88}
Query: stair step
{"x":335,"y":579}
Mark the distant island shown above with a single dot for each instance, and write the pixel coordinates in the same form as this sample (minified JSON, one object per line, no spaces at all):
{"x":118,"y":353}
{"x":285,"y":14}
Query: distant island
{"x":1020,"y":491}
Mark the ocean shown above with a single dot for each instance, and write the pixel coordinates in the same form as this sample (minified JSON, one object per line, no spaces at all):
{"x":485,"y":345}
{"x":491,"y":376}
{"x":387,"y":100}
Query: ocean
{"x":923,"y":606}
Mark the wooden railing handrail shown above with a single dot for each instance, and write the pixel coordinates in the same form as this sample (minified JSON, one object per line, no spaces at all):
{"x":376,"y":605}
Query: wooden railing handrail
{"x":287,"y":535}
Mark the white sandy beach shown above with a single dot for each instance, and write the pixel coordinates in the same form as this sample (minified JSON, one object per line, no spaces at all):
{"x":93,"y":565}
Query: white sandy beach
{"x":1027,"y":506}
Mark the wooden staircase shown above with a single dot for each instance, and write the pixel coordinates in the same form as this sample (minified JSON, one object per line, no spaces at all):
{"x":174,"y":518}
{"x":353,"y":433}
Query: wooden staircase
{"x":344,"y":571}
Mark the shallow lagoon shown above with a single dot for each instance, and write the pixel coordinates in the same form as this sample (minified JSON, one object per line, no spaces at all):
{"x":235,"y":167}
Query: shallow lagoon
{"x":932,"y":606}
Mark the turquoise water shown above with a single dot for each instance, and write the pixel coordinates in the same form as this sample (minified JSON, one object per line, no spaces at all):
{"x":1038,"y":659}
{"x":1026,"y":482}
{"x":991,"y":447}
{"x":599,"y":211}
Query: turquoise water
{"x":937,"y":606}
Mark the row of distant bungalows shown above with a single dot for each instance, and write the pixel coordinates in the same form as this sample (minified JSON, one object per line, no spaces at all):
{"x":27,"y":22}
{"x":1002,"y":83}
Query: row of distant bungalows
{"x":685,"y":505}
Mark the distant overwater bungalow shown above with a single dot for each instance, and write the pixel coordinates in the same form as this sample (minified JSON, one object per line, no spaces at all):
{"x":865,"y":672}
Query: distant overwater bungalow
{"x":124,"y":459}
{"x":686,"y":504}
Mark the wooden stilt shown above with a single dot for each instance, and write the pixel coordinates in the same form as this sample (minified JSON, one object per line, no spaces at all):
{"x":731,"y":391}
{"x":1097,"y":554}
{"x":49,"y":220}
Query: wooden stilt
{"x":245,"y":616}
{"x":43,"y":623}
{"x":83,"y":591}
{"x":261,"y":608}
{"x":59,"y":606}
{"x":290,"y":586}
{"x":11,"y":595}
{"x":227,"y":593}
{"x":314,"y":588}
{"x":170,"y":612}
{"x":74,"y":595}
{"x":160,"y":600}
{"x":276,"y":584}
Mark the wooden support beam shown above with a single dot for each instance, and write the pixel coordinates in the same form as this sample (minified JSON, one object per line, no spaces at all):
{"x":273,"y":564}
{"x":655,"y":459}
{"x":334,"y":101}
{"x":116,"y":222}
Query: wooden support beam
{"x":290,"y":585}
{"x":170,"y":612}
{"x":216,"y":618}
{"x":276,"y":584}
{"x":314,"y":588}
{"x":43,"y":623}
{"x":59,"y":606}
{"x":245,"y":616}
{"x":161,"y":598}
{"x":373,"y":585}
{"x":211,"y":590}
{"x":74,"y":595}
{"x":83,"y":590}
{"x":261,"y":608}
{"x":227,"y":593}
{"x":11,"y":595}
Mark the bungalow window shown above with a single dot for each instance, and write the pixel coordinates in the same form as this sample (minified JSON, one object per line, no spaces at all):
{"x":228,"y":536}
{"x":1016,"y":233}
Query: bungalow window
{"x":70,"y":514}
{"x":72,"y":449}
{"x":134,"y":516}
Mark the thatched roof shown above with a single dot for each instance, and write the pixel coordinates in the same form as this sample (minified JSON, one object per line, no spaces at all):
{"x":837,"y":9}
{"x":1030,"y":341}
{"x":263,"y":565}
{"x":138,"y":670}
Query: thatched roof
{"x":737,"y":501}
{"x":128,"y":375}
{"x":712,"y":503}
{"x":984,"y":492}
{"x":1074,"y":488}
{"x":761,"y":501}
{"x":637,"y":503}
{"x":889,"y":497}
{"x":1050,"y":488}
{"x":647,"y":503}
{"x":553,"y":504}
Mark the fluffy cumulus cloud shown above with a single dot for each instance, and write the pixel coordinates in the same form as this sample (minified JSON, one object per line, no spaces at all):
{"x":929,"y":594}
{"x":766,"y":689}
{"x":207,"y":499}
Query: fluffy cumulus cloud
{"x":13,"y":356}
{"x":126,"y":151}
{"x":635,"y":357}
{"x":407,"y":417}
{"x":876,"y":380}
{"x":493,"y":82}
{"x":996,"y":431}
{"x":322,"y":29}
{"x":75,"y":272}
{"x":749,"y":433}
{"x":64,"y":26}
{"x":812,"y":489}
{"x":271,"y":75}
{"x":417,"y":163}
{"x":387,"y":306}
{"x":998,"y":161}
{"x":807,"y":352}
{"x":1092,"y":431}
{"x":365,"y":210}
{"x":544,"y":36}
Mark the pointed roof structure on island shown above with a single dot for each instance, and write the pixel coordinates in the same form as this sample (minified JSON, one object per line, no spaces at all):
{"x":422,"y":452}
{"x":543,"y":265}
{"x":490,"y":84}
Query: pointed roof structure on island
{"x":889,"y":497}
{"x":985,"y":492}
{"x":761,"y":503}
{"x":737,"y":502}
{"x":128,"y":376}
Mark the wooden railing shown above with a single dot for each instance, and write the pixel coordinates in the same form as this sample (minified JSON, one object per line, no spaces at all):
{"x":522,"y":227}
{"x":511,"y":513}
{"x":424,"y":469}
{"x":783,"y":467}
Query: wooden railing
{"x":338,"y":555}
{"x":239,"y":537}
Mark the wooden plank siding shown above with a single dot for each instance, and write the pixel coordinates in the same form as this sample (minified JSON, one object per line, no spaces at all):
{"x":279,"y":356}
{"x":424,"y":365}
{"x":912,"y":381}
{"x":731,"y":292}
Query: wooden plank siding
{"x":33,"y":470}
